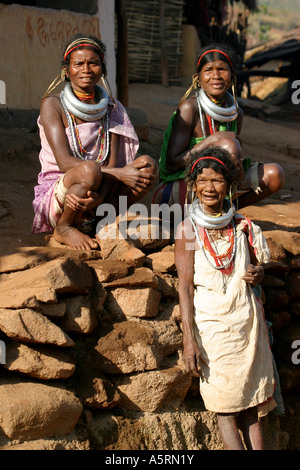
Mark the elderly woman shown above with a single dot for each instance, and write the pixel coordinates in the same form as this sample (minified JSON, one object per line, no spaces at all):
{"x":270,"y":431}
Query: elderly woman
{"x":211,"y":117}
{"x":225,"y":339}
{"x":89,"y":147}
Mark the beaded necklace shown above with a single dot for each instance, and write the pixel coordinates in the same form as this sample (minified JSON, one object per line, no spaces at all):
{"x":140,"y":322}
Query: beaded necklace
{"x":100,"y":138}
{"x":223,"y":262}
{"x":77,"y":147}
{"x":84,"y":96}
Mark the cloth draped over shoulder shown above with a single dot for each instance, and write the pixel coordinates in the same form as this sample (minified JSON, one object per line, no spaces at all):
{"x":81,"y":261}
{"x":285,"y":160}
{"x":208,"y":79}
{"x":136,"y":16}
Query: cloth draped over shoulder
{"x":236,"y":359}
{"x":119,"y":123}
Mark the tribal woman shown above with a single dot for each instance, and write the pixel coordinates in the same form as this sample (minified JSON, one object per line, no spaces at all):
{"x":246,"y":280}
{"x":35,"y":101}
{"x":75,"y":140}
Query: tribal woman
{"x":218,"y":256}
{"x":88,"y":149}
{"x":211,"y":116}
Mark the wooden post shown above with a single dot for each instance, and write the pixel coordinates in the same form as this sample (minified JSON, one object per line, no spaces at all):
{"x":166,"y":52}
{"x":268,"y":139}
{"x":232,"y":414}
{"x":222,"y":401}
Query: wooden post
{"x":122,"y":53}
{"x":163,"y":49}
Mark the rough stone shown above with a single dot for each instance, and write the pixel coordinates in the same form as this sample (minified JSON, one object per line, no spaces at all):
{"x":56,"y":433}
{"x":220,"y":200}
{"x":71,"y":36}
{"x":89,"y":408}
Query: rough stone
{"x":139,"y":302}
{"x":146,"y":233}
{"x":53,"y":310}
{"x":44,"y":282}
{"x":161,"y":261}
{"x":295,"y":264}
{"x":30,"y":326}
{"x":289,"y":240}
{"x":128,"y":347}
{"x":80,"y":317}
{"x":20,"y":261}
{"x":168,"y":335}
{"x":272,"y":281}
{"x":133,"y":257}
{"x":18,"y":299}
{"x":168,"y":286}
{"x":140,"y":277}
{"x":111,"y":242}
{"x":153,"y":391}
{"x":275,"y":297}
{"x":31,"y":410}
{"x":99,"y":393}
{"x":129,"y":231}
{"x":279,"y":319}
{"x":38,"y":361}
{"x":276,"y":268}
{"x":108,"y":270}
{"x":293,"y":285}
{"x":277,"y":251}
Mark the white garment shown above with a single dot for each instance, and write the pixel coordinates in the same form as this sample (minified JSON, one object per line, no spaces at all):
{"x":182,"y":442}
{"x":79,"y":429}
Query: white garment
{"x":237,"y":369}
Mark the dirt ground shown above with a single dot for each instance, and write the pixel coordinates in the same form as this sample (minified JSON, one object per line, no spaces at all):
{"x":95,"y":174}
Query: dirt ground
{"x":274,"y":137}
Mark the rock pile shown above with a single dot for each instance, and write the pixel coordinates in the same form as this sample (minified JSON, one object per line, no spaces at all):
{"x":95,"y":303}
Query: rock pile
{"x":92,"y":344}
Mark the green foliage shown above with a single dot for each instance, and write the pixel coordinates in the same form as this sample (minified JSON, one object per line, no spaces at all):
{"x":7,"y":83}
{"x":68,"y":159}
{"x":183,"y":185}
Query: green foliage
{"x":273,"y":15}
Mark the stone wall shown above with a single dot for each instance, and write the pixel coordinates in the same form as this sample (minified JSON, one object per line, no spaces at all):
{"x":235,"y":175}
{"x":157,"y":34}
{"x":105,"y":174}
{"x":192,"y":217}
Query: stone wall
{"x":93,"y":349}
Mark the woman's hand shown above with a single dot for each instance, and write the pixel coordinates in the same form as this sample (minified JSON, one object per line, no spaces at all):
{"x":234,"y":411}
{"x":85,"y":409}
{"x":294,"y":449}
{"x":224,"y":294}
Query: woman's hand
{"x":192,"y":358}
{"x":84,"y":204}
{"x":254,"y":275}
{"x":137,"y":175}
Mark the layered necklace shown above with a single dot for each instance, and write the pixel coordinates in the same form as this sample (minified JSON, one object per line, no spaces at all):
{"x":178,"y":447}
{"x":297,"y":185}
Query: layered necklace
{"x":75,"y":105}
{"x":224,"y":111}
{"x":203,"y":224}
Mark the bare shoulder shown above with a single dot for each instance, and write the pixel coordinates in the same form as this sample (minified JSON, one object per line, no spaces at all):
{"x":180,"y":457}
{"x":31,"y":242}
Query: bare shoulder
{"x":50,"y":102}
{"x":184,"y":233}
{"x":188,"y":109}
{"x":50,"y":108}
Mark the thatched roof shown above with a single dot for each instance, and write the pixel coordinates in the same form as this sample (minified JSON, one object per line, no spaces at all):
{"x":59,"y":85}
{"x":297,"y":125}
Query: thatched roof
{"x":287,"y":47}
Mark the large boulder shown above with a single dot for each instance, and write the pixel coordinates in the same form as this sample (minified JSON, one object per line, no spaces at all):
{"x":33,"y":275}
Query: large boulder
{"x":31,"y":410}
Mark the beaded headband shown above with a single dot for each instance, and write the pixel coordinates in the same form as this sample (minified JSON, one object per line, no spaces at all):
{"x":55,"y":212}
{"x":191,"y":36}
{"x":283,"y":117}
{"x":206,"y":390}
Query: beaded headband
{"x":208,"y":158}
{"x":83,"y":42}
{"x":216,"y":50}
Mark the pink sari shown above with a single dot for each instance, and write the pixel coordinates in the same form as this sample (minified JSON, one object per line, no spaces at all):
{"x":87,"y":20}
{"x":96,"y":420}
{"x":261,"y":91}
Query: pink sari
{"x":119,"y":124}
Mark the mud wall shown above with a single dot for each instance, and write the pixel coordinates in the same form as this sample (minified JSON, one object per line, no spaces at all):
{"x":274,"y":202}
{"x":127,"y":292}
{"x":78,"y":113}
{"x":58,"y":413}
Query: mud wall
{"x":32,"y":41}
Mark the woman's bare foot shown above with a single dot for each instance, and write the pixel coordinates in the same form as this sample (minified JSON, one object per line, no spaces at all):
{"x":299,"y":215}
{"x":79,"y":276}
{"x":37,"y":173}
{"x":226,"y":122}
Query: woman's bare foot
{"x":73,"y":238}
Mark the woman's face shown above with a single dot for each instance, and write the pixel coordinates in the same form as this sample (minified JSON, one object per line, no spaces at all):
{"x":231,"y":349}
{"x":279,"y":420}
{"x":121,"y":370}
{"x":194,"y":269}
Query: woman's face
{"x":211,"y":189}
{"x":84,"y":70}
{"x":215,"y":79}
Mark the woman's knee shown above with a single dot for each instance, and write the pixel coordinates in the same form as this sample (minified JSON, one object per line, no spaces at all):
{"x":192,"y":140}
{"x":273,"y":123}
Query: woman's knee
{"x":273,"y":177}
{"x":87,"y":174}
{"x":150,"y":162}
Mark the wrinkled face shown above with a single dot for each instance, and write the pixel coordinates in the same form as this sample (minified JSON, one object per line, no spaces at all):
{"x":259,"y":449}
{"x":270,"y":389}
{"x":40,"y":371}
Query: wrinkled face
{"x":84,"y":70}
{"x":211,"y":189}
{"x":215,"y":79}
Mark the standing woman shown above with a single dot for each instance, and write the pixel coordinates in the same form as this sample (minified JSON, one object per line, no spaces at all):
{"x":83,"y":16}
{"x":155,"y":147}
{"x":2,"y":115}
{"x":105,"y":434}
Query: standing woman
{"x":88,"y":149}
{"x":225,"y":339}
{"x":211,"y":117}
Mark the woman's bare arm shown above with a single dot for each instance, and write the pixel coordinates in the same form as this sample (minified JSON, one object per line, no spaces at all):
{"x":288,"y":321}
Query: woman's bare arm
{"x":184,"y":260}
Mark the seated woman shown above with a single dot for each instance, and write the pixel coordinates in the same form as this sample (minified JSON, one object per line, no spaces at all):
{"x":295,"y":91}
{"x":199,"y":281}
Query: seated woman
{"x":225,"y":339}
{"x":88,"y":149}
{"x":211,"y":117}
